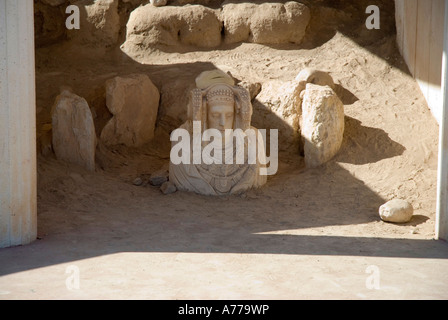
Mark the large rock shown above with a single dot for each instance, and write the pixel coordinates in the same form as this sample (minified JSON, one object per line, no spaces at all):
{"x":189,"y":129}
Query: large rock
{"x":397,"y":211}
{"x":73,"y":131}
{"x":277,"y":106}
{"x":192,"y":25}
{"x":266,"y":23}
{"x":99,"y":23}
{"x":175,"y":96}
{"x":134,"y":101}
{"x":322,"y":124}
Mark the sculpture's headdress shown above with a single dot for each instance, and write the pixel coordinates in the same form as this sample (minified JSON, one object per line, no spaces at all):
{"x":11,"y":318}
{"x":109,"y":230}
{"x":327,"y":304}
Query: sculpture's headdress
{"x":218,"y":87}
{"x":220,"y":94}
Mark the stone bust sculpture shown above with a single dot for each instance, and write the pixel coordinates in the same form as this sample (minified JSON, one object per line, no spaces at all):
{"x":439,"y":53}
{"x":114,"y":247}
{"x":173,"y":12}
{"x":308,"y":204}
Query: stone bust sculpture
{"x":218,"y":106}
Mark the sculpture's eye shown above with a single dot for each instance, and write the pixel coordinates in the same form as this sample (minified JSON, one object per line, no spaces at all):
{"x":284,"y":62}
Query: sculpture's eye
{"x":229,"y":115}
{"x":215,"y":115}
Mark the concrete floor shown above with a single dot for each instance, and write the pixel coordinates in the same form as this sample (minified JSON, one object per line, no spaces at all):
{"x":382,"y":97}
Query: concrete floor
{"x":91,"y":264}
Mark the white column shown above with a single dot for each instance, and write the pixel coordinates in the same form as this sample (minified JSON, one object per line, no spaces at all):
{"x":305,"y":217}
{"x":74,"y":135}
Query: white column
{"x":18,"y":224}
{"x":442,"y":179}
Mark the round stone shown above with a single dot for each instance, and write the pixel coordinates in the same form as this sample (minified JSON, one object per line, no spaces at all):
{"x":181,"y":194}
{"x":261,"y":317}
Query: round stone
{"x":397,"y":211}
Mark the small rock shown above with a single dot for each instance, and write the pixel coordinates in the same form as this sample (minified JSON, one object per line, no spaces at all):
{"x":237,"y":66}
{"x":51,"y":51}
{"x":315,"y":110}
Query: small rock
{"x":168,"y":187}
{"x":157,"y":181}
{"x":397,"y":211}
{"x":320,"y":78}
{"x":159,"y":177}
{"x":137,"y":182}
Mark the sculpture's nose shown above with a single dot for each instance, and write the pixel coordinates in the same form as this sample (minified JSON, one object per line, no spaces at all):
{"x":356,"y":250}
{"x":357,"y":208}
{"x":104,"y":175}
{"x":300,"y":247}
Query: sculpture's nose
{"x":222,"y":120}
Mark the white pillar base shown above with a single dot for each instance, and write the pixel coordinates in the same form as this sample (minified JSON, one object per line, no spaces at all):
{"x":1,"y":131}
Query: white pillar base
{"x":18,"y":210}
{"x":442,"y":180}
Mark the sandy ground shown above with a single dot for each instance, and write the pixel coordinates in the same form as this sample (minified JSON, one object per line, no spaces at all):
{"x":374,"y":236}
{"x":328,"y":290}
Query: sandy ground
{"x":309,"y":233}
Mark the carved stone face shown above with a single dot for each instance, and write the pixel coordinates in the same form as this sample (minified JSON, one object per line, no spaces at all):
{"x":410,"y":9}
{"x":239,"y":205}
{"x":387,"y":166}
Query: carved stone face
{"x":220,"y":116}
